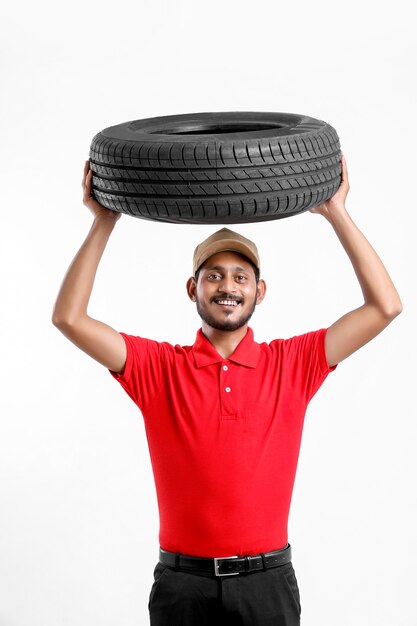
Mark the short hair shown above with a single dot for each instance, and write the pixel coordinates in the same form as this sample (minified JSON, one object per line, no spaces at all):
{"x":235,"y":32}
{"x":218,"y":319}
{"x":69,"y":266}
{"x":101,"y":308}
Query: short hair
{"x":255,"y":269}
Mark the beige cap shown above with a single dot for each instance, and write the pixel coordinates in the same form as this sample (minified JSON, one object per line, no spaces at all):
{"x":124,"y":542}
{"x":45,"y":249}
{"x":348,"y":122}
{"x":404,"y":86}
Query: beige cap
{"x":222,"y":240}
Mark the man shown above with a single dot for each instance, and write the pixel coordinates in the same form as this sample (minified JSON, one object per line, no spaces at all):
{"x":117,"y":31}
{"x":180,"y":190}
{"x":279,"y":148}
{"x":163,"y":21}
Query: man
{"x":224,"y":418}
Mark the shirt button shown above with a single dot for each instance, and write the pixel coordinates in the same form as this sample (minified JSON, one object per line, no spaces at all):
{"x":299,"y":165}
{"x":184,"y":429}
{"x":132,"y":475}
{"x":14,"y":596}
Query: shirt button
{"x":228,"y":389}
{"x":225,"y":368}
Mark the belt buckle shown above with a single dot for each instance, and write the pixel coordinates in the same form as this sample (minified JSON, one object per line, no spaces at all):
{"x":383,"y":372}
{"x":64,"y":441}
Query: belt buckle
{"x":216,"y":565}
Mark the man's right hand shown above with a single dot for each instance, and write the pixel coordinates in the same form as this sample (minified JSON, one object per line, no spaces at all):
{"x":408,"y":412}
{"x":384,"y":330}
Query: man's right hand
{"x":98,"y":210}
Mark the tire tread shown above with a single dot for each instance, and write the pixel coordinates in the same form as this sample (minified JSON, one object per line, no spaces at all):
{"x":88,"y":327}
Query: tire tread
{"x":210,"y":180}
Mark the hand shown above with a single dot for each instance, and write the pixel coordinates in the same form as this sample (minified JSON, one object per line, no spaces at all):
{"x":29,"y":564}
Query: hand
{"x":337,"y":201}
{"x":98,"y":210}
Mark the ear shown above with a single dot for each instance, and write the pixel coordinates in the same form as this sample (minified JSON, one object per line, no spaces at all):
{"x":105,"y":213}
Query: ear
{"x":261,"y":291}
{"x":191,"y":288}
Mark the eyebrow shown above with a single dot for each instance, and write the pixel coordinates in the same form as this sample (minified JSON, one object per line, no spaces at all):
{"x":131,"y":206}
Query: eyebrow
{"x":220,"y":267}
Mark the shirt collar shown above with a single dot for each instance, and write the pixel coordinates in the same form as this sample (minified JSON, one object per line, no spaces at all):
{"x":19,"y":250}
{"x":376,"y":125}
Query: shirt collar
{"x":246,"y":353}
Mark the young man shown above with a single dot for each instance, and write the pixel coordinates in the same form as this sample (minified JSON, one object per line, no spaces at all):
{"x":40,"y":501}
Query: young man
{"x":224,"y":418}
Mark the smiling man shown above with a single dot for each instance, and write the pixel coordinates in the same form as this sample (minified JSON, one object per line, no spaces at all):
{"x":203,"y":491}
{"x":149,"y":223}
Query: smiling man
{"x":225,"y":285}
{"x":233,"y":309}
{"x":224,"y":418}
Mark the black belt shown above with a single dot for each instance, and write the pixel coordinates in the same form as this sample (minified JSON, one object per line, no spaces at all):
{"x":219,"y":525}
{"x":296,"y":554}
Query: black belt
{"x":228,"y":565}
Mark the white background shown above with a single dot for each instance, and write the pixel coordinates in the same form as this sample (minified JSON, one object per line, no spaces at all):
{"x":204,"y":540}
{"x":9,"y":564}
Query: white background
{"x":79,"y":520}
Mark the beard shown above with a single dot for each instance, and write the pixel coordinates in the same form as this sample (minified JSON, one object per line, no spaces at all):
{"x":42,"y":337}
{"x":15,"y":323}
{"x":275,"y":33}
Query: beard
{"x":226,"y":324}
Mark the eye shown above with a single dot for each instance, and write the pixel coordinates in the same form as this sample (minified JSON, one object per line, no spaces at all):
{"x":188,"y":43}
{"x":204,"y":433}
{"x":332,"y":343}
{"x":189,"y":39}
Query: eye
{"x":213,"y":276}
{"x":241,"y":277}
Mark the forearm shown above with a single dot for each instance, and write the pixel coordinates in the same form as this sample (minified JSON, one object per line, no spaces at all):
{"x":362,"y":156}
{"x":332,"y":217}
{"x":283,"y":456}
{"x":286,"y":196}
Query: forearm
{"x":376,"y":284}
{"x":76,"y":288}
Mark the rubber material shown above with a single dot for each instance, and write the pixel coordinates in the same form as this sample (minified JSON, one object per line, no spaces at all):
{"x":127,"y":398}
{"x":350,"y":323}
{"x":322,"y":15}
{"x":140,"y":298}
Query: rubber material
{"x":211,"y":168}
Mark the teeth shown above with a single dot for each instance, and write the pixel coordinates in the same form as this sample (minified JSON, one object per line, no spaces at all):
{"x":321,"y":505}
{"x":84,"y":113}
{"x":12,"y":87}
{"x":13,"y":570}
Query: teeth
{"x":227,"y":302}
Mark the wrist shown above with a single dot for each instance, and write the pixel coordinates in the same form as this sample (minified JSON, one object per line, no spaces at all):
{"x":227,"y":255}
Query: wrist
{"x":102,"y":222}
{"x":338,"y":216}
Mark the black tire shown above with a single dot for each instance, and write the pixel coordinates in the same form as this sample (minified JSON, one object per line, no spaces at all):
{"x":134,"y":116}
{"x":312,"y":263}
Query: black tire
{"x":210,"y":168}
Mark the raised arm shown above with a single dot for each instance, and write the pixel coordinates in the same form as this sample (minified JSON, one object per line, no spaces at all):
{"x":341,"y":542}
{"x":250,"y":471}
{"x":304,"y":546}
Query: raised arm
{"x":102,"y":342}
{"x":382,"y":302}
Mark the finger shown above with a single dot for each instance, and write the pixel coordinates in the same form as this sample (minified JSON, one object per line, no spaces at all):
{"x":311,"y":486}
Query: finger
{"x":344,"y":169}
{"x":89,"y":184}
{"x":86,"y":165}
{"x":341,"y":171}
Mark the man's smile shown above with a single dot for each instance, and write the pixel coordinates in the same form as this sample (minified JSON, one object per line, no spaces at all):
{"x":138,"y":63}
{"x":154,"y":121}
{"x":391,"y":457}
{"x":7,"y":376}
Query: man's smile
{"x":227,"y":302}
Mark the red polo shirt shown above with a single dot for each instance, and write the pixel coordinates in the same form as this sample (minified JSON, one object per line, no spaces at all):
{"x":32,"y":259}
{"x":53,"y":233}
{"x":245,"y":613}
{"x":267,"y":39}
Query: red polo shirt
{"x":224,"y":436}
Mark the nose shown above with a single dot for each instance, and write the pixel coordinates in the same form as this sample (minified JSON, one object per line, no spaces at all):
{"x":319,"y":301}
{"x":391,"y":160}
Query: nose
{"x":227,"y":284}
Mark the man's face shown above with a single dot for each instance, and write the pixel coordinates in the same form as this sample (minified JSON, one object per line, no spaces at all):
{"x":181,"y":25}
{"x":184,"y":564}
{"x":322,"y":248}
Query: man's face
{"x":226,"y":292}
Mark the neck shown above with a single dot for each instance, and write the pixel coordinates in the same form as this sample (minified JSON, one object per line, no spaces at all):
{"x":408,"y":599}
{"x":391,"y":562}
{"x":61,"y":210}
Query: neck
{"x":224,"y":341}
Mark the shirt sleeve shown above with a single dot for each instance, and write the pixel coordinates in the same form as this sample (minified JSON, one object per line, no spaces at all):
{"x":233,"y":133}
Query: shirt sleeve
{"x":142,"y":375}
{"x":307,"y":362}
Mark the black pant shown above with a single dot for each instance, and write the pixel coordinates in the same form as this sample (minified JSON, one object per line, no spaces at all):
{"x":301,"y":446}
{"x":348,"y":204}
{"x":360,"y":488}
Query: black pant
{"x":260,"y":598}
